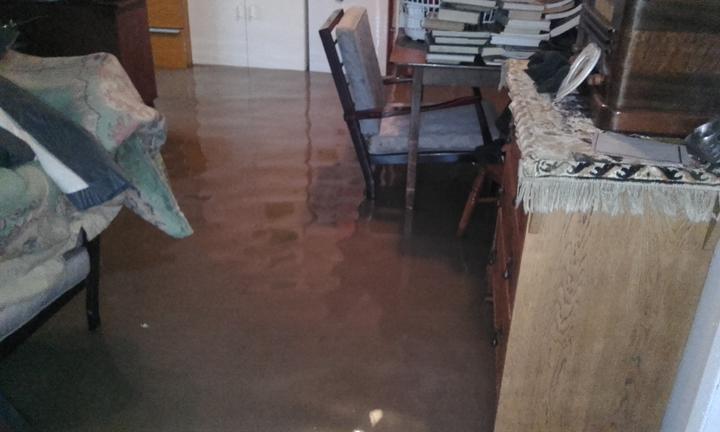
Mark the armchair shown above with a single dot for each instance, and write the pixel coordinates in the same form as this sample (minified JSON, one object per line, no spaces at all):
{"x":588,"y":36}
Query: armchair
{"x":454,"y":131}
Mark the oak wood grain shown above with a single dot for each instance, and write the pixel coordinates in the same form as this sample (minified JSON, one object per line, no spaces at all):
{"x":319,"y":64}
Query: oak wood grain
{"x":601,"y":316}
{"x":168,"y":13}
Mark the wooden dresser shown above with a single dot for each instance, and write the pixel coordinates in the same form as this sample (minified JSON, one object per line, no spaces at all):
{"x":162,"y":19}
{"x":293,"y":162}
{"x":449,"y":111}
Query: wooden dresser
{"x":80,"y":27}
{"x":595,"y":277}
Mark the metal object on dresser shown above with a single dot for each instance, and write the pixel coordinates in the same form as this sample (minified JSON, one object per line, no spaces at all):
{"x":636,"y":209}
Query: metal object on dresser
{"x":704,"y":142}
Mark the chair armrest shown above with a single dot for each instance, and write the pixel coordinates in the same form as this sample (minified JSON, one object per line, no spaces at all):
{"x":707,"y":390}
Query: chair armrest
{"x":391,"y":80}
{"x":405,"y":110}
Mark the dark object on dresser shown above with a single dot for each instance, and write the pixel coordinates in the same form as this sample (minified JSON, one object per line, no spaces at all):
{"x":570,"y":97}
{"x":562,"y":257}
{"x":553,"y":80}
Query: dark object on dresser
{"x":661,"y":63}
{"x":81,"y":27}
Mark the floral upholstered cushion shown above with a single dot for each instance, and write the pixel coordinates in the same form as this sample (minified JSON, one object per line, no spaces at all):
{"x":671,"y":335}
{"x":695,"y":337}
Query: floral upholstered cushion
{"x":95,"y":92}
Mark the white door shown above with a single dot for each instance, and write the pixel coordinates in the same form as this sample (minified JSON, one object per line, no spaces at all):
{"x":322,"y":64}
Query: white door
{"x":218,"y":32}
{"x":276,"y":34}
{"x":320,"y":10}
{"x":255,"y":33}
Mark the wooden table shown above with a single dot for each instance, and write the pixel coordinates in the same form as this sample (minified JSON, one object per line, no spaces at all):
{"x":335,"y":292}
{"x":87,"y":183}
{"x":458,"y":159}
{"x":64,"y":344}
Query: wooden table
{"x":411,"y":54}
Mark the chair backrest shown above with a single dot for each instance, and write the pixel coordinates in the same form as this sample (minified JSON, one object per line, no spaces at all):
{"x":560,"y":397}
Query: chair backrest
{"x":361,"y":80}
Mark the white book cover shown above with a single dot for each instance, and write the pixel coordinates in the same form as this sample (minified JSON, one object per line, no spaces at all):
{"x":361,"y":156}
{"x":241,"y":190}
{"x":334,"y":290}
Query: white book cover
{"x":459,"y":16}
{"x":521,"y":31}
{"x":565,"y":27}
{"x":515,"y":40}
{"x":525,"y":24}
{"x":559,"y":4}
{"x":479,"y":3}
{"x":568,"y":13}
{"x":465,"y":34}
{"x":450,"y":58}
{"x":436,"y":24}
{"x":494,"y":51}
{"x":534,"y":36}
{"x":522,"y":6}
{"x":525,"y":15}
{"x":460,"y":41}
{"x":454,"y":49}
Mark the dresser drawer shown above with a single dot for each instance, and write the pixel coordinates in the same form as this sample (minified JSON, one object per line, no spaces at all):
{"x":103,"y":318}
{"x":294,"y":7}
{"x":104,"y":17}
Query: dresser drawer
{"x":167,"y":13}
{"x":171,"y":50}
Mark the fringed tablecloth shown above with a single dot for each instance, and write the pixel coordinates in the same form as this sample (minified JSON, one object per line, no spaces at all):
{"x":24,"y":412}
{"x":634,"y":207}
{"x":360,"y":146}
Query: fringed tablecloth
{"x":560,"y":171}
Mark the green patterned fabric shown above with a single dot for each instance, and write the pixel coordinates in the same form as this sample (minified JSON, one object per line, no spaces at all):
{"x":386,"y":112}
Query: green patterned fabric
{"x":95,"y":92}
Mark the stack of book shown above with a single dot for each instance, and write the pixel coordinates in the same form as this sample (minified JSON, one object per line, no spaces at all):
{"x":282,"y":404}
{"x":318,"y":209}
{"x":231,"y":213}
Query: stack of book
{"x":527,"y":23}
{"x":457,"y":34}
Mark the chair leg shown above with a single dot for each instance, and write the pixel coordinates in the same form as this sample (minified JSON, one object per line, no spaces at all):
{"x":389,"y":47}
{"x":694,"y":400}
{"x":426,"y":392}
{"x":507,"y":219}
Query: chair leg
{"x":471,"y":202}
{"x":92,"y":285}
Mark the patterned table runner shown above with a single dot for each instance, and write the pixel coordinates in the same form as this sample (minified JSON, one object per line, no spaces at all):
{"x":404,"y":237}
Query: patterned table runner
{"x":560,"y":171}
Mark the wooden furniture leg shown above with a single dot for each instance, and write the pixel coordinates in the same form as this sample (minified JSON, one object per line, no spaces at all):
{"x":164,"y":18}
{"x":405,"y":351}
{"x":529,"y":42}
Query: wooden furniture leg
{"x":413,"y":142}
{"x":92,"y":285}
{"x":492,"y":172}
{"x":471,"y":202}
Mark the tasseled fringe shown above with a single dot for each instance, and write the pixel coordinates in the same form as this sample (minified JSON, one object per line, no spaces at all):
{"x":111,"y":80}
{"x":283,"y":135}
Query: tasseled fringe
{"x":546,"y":195}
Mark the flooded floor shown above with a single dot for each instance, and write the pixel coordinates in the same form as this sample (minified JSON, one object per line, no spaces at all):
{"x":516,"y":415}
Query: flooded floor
{"x":294,"y":307}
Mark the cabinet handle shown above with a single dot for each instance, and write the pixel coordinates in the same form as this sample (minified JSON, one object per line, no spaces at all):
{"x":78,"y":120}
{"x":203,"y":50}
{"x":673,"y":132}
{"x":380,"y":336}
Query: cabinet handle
{"x":508,"y":264}
{"x":162,"y":30}
{"x":497,"y":336}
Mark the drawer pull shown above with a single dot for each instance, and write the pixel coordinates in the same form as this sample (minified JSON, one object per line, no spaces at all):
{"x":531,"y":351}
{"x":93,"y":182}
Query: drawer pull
{"x":163,"y":30}
{"x":497,"y":336}
{"x":508,"y":264}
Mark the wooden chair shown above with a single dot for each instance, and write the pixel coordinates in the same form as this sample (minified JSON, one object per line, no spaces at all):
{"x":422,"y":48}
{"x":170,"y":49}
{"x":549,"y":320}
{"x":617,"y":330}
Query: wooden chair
{"x":451,"y":132}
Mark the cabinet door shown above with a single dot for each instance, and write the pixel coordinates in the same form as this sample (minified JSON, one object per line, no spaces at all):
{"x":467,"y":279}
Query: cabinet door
{"x":169,"y":33}
{"x":276,"y":34}
{"x":320,"y":10}
{"x":219,"y":32}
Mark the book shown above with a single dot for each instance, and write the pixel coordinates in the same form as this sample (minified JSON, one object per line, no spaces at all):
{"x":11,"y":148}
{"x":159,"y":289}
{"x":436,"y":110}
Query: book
{"x":454,"y":49}
{"x":517,"y":40}
{"x":559,"y":6}
{"x":465,"y":34}
{"x":438,"y":24}
{"x":575,"y":11}
{"x":450,"y":58}
{"x":459,"y":16}
{"x":522,"y":6}
{"x":565,"y":26}
{"x":459,"y":41}
{"x":524,"y":15}
{"x":494,"y":55}
{"x":517,"y":24}
{"x":487,"y":4}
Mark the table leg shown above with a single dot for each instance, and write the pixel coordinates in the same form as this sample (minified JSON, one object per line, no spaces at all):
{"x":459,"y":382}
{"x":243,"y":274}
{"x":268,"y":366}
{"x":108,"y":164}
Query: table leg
{"x":482,"y":117}
{"x":413,"y":142}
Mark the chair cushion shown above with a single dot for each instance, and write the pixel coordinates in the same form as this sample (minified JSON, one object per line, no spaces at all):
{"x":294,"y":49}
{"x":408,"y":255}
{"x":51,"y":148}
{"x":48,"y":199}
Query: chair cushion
{"x":452,"y":129}
{"x":361,"y":64}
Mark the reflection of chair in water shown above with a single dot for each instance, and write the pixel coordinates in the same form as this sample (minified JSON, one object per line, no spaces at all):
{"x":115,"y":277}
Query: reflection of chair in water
{"x":451,"y":131}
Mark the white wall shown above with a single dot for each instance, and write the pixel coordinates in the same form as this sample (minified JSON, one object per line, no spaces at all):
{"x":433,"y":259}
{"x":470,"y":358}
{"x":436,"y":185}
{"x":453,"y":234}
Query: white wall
{"x":255,"y":33}
{"x":695,"y":402}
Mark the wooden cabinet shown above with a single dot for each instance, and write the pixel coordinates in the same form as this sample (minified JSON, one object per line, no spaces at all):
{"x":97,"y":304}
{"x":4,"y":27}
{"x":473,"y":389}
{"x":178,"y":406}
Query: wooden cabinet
{"x":170,"y":33}
{"x":592,"y":314}
{"x":81,"y":27}
{"x":506,"y":257}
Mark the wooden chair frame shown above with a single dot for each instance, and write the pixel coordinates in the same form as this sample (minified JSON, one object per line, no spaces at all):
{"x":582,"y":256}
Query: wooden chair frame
{"x":352,"y":116}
